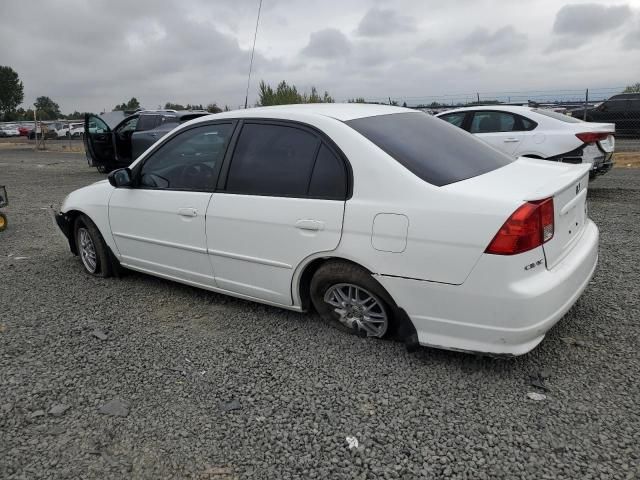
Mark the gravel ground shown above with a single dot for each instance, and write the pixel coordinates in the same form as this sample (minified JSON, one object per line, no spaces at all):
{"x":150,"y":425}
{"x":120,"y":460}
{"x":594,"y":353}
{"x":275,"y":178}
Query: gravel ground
{"x":143,"y":378}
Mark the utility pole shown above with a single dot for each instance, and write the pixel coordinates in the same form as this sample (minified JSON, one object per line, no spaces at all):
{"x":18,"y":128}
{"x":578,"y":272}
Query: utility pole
{"x":586,"y":103}
{"x":35,"y":127}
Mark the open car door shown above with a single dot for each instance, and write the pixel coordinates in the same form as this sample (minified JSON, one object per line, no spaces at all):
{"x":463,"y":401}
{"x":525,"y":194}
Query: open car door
{"x":98,"y":143}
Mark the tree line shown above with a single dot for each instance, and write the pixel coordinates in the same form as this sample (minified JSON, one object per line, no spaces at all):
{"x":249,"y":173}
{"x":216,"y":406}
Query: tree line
{"x":12,"y":96}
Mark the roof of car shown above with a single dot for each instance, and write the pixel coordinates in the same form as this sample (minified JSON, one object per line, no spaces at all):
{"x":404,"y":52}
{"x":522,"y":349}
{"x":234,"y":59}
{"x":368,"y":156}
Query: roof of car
{"x":339,"y":111}
{"x":504,"y":108}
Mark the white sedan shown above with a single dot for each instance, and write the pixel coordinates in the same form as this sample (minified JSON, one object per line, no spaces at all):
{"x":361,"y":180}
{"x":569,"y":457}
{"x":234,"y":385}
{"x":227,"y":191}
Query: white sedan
{"x":539,"y":133}
{"x":386,"y":221}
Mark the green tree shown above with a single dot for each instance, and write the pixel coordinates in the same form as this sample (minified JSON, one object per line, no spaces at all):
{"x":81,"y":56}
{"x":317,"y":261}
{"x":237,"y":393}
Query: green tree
{"x":47,"y":109}
{"x":11,"y":90}
{"x":131,"y":105}
{"x":173,"y":106}
{"x":630,"y":88}
{"x":285,"y":94}
{"x":212,"y":108}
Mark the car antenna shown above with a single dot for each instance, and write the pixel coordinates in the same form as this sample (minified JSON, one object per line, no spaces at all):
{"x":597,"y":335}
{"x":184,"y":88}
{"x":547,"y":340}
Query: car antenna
{"x":255,"y":35}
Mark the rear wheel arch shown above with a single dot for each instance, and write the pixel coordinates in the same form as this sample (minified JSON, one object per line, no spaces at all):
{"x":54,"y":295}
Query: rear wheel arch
{"x":309,"y":270}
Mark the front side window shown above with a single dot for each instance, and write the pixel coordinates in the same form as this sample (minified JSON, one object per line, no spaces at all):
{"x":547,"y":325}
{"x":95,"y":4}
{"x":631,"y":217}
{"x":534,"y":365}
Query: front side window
{"x":272,"y":160}
{"x":188,"y":161}
{"x":490,"y":122}
{"x":434,"y":151}
{"x":454,"y":118}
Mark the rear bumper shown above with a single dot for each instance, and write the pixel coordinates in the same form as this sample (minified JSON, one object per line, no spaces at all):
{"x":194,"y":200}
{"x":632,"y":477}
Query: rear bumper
{"x":496,"y":310}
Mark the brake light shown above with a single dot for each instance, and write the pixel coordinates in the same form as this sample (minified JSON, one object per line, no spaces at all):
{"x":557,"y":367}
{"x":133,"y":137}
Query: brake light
{"x":530,"y":226}
{"x":591,"y":137}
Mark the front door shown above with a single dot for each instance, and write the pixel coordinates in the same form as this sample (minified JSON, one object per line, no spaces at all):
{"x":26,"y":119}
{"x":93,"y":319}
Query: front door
{"x":283,"y":201}
{"x":159,"y":223}
{"x":98,"y":139}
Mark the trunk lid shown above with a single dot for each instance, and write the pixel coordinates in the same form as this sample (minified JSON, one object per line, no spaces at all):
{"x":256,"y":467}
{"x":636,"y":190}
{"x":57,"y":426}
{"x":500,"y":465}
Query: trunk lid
{"x":569,"y":204}
{"x":529,"y":179}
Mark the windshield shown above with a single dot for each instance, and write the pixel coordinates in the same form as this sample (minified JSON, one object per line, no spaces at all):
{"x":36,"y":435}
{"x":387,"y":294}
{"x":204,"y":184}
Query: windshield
{"x":558,"y":116}
{"x":435,"y":151}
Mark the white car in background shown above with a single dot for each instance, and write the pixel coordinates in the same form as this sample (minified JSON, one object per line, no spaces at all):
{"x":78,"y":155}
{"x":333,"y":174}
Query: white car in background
{"x":539,"y":133}
{"x":387,"y":221}
{"x":10,"y":130}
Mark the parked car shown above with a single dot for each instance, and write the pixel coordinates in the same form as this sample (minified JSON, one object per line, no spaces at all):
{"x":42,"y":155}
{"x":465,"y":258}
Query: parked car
{"x":76,"y":130}
{"x":108,"y":148}
{"x":385,"y":220}
{"x":623,"y":110}
{"x":539,"y":133}
{"x":10,"y":130}
{"x":24,"y":130}
{"x":43,"y":128}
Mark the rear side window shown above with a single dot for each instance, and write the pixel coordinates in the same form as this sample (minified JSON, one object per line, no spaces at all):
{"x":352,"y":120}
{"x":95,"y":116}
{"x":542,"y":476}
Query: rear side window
{"x":147,"y":122}
{"x":329,"y":178}
{"x":272,"y":160}
{"x":490,"y":122}
{"x":436,"y":152}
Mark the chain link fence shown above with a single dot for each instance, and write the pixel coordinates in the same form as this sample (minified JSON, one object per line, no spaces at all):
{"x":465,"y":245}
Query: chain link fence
{"x":44,"y":134}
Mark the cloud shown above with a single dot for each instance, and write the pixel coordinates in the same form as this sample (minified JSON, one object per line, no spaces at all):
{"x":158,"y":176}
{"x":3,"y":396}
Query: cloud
{"x":503,"y":41}
{"x":631,"y":41}
{"x":378,"y":22}
{"x":327,"y":43}
{"x":589,"y":19}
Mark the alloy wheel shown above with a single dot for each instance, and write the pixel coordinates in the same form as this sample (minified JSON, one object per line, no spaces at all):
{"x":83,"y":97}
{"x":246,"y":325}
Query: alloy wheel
{"x":358,"y":309}
{"x":87,"y":250}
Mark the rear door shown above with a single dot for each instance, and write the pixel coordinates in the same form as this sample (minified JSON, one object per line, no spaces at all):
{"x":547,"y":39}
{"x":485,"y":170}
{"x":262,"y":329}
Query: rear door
{"x":502,"y":130}
{"x":98,"y":140}
{"x":282,"y":201}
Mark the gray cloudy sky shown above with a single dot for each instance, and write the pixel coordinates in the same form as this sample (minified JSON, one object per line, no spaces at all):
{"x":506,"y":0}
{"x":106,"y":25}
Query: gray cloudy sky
{"x":91,"y":55}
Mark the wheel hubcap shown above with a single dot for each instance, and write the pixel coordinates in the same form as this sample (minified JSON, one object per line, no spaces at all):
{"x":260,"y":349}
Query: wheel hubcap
{"x":358,"y":309}
{"x":87,"y":251}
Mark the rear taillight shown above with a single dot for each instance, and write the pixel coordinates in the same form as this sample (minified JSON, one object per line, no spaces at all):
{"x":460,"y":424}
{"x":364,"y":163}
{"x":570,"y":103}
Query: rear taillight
{"x":591,"y":137}
{"x":528,"y":227}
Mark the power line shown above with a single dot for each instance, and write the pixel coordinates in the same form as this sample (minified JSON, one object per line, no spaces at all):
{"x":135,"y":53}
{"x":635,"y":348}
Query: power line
{"x":255,"y":35}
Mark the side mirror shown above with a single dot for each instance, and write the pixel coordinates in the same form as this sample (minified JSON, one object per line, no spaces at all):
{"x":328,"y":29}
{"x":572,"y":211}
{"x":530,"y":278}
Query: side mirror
{"x":120,"y":178}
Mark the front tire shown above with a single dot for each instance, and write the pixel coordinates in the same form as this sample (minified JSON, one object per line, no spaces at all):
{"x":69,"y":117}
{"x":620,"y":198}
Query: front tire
{"x":91,"y":247}
{"x":347,"y":297}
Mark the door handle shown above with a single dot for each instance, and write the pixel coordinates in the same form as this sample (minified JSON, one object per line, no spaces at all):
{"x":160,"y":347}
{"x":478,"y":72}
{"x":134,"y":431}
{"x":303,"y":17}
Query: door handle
{"x":154,"y":135}
{"x":314,"y":225}
{"x":188,"y":212}
{"x":511,"y":140}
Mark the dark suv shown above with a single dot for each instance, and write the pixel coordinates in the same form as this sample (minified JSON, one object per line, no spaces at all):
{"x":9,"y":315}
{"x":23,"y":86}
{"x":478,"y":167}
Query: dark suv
{"x":622,"y":109}
{"x":110,"y":145}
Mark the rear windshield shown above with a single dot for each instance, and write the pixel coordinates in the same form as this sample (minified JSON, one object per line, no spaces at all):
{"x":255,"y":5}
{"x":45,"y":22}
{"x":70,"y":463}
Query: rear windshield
{"x":435,"y":151}
{"x":558,"y":116}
